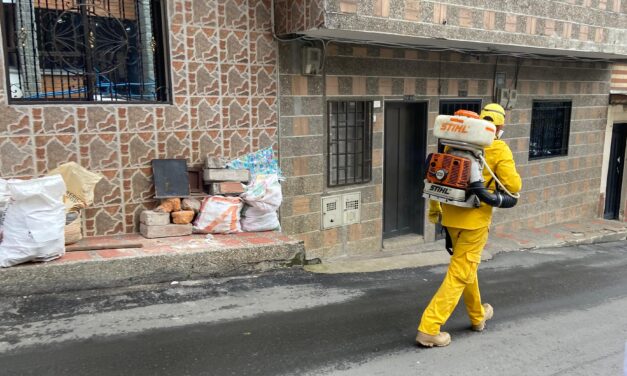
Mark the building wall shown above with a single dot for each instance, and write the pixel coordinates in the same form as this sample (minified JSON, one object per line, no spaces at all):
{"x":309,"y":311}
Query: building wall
{"x":223,"y":67}
{"x":583,"y":25}
{"x":297,"y":15}
{"x":555,"y":190}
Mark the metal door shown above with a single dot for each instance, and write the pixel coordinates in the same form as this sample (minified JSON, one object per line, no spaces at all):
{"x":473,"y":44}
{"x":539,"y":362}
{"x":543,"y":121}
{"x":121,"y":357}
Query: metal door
{"x":615,"y":172}
{"x":405,"y":149}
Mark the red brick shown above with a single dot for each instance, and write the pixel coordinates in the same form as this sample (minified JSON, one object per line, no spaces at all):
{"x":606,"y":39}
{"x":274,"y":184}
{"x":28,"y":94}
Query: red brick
{"x":76,"y":256}
{"x":115,"y":253}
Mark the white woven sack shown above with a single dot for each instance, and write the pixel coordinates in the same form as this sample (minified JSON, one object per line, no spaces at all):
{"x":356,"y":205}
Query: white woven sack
{"x":34,"y":222}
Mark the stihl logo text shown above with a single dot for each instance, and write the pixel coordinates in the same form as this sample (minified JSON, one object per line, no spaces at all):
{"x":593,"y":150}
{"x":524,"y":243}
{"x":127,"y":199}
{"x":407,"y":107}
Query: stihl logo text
{"x":457,"y":128}
{"x":439,"y":189}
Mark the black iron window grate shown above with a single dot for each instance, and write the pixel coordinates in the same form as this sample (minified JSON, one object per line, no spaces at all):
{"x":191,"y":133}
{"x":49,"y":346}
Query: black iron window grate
{"x":85,"y":50}
{"x":350,"y":142}
{"x":550,"y":128}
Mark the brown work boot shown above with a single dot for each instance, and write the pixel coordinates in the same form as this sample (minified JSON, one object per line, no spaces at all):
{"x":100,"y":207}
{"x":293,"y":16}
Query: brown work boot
{"x":489,"y":312}
{"x":439,"y":340}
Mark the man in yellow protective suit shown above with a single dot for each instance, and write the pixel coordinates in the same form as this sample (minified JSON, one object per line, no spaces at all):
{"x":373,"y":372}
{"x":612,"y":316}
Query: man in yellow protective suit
{"x":468,"y":229}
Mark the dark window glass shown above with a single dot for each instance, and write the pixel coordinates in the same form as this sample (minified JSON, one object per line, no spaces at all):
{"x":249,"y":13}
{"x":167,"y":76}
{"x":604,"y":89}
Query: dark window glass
{"x":350,"y":142}
{"x":85,"y":50}
{"x":550,"y":127}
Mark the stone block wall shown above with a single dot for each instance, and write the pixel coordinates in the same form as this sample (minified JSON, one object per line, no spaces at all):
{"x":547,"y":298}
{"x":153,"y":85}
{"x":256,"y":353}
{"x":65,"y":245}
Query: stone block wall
{"x":583,"y":25}
{"x":555,"y":189}
{"x":619,"y":78}
{"x":223,"y":64}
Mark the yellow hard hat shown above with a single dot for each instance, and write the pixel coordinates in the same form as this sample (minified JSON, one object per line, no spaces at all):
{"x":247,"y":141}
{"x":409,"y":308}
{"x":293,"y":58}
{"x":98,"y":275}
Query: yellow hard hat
{"x":495,"y":112}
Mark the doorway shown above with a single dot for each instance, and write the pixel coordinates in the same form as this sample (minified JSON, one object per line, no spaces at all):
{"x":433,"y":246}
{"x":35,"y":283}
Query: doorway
{"x":405,"y":150}
{"x":615,"y":172}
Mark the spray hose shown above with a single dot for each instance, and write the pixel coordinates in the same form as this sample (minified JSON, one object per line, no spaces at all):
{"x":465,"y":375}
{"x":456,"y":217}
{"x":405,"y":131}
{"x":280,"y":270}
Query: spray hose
{"x":496,"y":199}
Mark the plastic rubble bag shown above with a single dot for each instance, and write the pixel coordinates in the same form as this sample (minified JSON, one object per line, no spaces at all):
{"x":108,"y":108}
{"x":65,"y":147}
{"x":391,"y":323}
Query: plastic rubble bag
{"x":34,"y":221}
{"x":80,"y":185}
{"x":264,"y":193}
{"x":5,"y":197}
{"x":219,"y":215}
{"x":261,"y":162}
{"x":255,"y":220}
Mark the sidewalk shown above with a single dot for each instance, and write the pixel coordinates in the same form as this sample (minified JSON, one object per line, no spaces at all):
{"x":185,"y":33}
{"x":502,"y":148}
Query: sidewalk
{"x":199,"y":256}
{"x":565,"y":234}
{"x":159,"y":260}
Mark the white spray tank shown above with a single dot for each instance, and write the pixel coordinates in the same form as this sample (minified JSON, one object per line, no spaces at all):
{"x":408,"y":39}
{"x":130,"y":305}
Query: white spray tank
{"x":455,"y":177}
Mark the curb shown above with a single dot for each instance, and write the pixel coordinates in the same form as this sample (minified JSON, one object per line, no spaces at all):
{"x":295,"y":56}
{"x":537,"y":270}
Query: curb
{"x":83,"y":275}
{"x":440,"y":257}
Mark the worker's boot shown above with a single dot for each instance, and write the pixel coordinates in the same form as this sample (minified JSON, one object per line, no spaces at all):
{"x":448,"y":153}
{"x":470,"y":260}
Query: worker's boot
{"x":489,"y":312}
{"x":439,"y":340}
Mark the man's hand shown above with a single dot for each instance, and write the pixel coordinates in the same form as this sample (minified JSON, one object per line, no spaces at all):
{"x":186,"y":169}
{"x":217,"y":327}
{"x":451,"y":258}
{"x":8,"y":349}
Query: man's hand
{"x":435,"y":212}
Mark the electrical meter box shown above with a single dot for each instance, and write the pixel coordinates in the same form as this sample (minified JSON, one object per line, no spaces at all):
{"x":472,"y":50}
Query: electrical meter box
{"x":352,"y":208}
{"x":332,"y":214}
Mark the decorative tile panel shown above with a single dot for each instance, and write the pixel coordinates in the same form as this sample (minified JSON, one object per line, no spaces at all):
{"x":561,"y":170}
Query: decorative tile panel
{"x":99,"y":151}
{"x":51,"y":151}
{"x":206,"y":143}
{"x":108,"y":191}
{"x":16,"y":120}
{"x":223,"y":69}
{"x":54,"y":120}
{"x":137,"y":149}
{"x":16,"y":156}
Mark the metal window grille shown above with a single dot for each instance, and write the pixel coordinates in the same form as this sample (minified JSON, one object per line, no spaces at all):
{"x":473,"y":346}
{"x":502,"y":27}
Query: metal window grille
{"x":85,"y":50}
{"x":550,"y":127}
{"x":349,"y":142}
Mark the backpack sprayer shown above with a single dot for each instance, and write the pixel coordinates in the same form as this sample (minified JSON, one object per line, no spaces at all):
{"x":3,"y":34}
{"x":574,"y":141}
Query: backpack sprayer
{"x":455,"y":177}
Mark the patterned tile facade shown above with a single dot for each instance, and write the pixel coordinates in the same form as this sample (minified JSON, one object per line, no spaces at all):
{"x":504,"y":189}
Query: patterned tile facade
{"x":223,"y":68}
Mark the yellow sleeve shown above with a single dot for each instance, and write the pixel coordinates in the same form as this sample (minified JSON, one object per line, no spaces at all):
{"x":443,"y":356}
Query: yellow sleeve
{"x":506,"y":170}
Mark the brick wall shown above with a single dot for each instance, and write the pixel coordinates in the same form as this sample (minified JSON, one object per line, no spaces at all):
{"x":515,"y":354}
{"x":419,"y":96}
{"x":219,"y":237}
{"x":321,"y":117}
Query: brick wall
{"x":555,"y":189}
{"x":223,"y":67}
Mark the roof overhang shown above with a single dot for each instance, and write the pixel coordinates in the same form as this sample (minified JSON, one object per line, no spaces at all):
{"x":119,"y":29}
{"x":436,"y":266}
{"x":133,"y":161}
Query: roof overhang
{"x":459,"y":45}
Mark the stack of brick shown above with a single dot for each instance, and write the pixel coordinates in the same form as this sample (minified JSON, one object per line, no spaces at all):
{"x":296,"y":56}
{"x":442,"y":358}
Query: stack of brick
{"x":172,"y":218}
{"x":221,"y":181}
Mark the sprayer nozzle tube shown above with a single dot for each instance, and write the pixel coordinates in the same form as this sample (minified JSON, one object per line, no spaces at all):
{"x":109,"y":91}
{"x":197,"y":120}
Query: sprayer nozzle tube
{"x":496,"y":199}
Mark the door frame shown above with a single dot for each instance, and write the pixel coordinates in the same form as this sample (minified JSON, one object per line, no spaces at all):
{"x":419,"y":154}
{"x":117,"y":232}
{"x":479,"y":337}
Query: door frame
{"x":422,"y":136}
{"x":618,"y":131}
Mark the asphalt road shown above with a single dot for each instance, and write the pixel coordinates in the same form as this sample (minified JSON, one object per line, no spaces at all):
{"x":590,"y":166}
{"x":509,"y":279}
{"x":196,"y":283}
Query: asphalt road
{"x":558,"y":311}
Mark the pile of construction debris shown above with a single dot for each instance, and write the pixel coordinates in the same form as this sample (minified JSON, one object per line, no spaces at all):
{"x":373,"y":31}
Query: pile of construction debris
{"x":243,"y":195}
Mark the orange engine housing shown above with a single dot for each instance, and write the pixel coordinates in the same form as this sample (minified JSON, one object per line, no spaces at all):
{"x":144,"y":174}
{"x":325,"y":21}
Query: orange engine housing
{"x":454,"y":171}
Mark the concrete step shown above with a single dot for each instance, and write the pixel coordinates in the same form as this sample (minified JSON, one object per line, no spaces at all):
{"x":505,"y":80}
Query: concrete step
{"x":159,"y":260}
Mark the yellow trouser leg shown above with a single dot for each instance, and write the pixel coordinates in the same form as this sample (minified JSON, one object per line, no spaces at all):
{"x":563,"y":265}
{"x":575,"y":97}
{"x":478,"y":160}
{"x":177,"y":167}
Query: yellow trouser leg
{"x":461,"y":278}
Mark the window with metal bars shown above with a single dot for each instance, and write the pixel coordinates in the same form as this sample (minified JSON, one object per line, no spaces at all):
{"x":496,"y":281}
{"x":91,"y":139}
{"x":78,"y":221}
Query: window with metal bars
{"x":349,"y":142}
{"x":550,"y":127}
{"x":85,"y":50}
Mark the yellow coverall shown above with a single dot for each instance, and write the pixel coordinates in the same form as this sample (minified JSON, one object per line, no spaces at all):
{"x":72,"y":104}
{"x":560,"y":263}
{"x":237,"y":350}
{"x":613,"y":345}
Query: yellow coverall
{"x":468,"y":228}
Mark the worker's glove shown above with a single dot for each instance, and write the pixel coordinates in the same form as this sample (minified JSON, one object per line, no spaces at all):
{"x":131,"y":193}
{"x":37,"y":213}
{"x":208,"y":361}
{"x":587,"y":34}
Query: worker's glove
{"x":435,"y":212}
{"x":435,"y":217}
